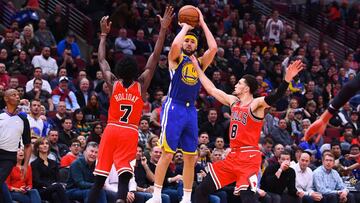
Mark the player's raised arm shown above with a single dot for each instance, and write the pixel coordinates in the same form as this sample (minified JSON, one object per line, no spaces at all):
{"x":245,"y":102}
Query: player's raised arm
{"x":104,"y":65}
{"x":145,"y":77}
{"x":292,"y":70}
{"x":346,"y":92}
{"x":209,"y":54}
{"x":219,"y":95}
{"x":175,"y":49}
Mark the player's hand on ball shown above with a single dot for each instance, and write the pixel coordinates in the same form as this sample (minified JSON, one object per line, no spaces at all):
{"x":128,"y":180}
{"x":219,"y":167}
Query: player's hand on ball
{"x":201,"y":17}
{"x":165,"y":21}
{"x":187,"y":26}
{"x":105,"y":25}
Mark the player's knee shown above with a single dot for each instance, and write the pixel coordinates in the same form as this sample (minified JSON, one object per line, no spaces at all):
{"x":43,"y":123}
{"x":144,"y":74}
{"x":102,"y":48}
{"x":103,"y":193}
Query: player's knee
{"x":167,"y":155}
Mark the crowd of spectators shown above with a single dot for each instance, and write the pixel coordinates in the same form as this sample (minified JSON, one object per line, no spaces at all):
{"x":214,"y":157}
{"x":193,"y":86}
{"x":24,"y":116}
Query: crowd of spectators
{"x":67,"y":103}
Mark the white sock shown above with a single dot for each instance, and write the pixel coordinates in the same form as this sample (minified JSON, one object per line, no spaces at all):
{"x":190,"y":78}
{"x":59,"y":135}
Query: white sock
{"x":157,"y":191}
{"x":187,"y":195}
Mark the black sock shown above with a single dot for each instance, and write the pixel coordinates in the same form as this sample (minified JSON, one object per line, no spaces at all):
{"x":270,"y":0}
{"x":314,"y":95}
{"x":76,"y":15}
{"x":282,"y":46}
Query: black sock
{"x":206,"y":187}
{"x":123,"y":185}
{"x":95,"y":189}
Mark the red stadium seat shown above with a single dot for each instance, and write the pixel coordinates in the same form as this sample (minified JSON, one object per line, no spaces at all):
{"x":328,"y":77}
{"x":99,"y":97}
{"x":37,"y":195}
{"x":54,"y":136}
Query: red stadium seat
{"x":119,"y":56}
{"x":81,"y":65}
{"x":331,"y":133}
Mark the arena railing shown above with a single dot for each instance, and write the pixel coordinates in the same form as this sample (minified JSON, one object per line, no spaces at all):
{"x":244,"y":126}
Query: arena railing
{"x":77,"y":21}
{"x":6,"y":14}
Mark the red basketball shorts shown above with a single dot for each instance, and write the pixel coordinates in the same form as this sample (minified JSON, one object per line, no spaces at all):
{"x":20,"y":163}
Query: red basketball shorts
{"x":241,"y":167}
{"x":118,"y":146}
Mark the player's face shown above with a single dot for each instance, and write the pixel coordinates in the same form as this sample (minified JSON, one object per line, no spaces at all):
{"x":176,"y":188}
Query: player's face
{"x":240,"y":87}
{"x":189,"y":46}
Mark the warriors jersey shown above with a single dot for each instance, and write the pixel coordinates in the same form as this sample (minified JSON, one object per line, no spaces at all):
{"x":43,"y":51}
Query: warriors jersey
{"x":126,"y":105}
{"x":245,"y":128}
{"x":184,"y":84}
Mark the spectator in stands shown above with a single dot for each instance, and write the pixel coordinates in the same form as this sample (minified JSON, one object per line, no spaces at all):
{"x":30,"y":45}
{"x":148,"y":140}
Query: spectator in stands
{"x":58,"y":23}
{"x":10,"y":44}
{"x":71,"y":156}
{"x":280,"y":135}
{"x":84,"y":93}
{"x":252,"y":36}
{"x":44,"y":36}
{"x":69,"y":42}
{"x":91,"y":110}
{"x":28,"y":42}
{"x":152,"y":142}
{"x":55,"y":121}
{"x":99,"y":79}
{"x":62,"y":72}
{"x":123,"y":43}
{"x":13,"y":83}
{"x":142,"y":46}
{"x":354,"y":120}
{"x":212,"y":126}
{"x":4,"y":57}
{"x":67,"y":133}
{"x":68,"y":62}
{"x":45,"y":174}
{"x":161,"y":79}
{"x":80,"y":126}
{"x":277,"y":178}
{"x":62,"y":93}
{"x":328,"y":182}
{"x":21,"y":187}
{"x":266,"y":148}
{"x":4,"y":76}
{"x":96,"y":134}
{"x":144,"y":131}
{"x":217,"y":155}
{"x":39,"y":94}
{"x":203,"y":138}
{"x":103,"y":98}
{"x":278,"y":148}
{"x":37,"y":126}
{"x":219,"y":144}
{"x":47,"y":64}
{"x":81,"y":177}
{"x":21,"y":65}
{"x":38,"y":75}
{"x":274,"y":27}
{"x":158,"y":96}
{"x":57,"y":149}
{"x":204,"y":155}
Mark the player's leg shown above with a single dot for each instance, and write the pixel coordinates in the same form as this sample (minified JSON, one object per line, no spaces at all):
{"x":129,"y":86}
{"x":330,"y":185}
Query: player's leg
{"x":248,"y":196}
{"x":206,"y":187}
{"x":171,"y":124}
{"x":124,"y":157}
{"x":104,"y":162}
{"x":188,"y":144}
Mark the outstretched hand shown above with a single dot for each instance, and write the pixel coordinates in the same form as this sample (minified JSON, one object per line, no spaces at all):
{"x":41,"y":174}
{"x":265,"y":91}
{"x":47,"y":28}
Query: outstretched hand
{"x":201,"y":17}
{"x":105,"y":25}
{"x":318,"y":127}
{"x":167,"y":18}
{"x":293,"y":69}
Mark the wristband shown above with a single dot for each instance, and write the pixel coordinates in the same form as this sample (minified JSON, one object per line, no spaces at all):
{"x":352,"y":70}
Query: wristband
{"x":332,"y":110}
{"x":103,"y":34}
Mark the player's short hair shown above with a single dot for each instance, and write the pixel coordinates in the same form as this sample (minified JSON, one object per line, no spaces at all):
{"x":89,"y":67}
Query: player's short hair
{"x":127,"y":69}
{"x":251,"y":82}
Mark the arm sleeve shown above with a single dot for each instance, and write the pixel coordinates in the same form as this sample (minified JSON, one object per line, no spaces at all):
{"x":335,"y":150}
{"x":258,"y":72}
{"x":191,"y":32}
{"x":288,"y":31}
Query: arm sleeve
{"x":26,"y":132}
{"x":348,"y":91}
{"x":278,"y":94}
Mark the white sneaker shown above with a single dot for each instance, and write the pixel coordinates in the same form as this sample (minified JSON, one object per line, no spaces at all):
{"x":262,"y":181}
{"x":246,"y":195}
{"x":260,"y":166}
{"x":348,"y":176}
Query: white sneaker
{"x":153,"y":200}
{"x":184,"y":201}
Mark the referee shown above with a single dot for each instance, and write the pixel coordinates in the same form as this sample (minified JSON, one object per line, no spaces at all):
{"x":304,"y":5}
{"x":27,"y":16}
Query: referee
{"x":13,"y":127}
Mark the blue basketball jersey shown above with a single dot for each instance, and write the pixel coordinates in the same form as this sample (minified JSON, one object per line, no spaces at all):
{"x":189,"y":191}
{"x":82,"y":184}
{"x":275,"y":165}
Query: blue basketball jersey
{"x":184,"y":84}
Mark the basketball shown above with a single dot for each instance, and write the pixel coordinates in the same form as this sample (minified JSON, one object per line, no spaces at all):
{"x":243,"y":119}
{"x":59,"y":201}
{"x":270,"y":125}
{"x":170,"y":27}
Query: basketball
{"x":189,"y":15}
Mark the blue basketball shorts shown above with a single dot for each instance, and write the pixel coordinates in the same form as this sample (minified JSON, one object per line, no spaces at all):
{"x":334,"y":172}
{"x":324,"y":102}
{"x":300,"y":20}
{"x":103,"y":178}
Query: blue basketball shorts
{"x":179,"y":127}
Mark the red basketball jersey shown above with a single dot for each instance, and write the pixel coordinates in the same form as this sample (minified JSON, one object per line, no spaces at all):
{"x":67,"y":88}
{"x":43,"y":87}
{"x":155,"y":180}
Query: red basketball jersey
{"x":244,"y":127}
{"x":126,"y":105}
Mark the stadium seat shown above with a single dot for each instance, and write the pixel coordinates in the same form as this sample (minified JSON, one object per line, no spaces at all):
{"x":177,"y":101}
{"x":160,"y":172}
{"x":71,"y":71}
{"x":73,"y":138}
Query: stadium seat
{"x":118,"y":56}
{"x":141,"y":61}
{"x":81,"y":65}
{"x":331,"y":133}
{"x":22,"y":79}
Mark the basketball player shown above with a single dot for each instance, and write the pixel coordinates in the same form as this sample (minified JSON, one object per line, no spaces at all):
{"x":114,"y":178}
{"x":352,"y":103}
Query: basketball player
{"x":348,"y":91}
{"x":120,"y":138}
{"x":242,"y":164}
{"x":179,"y":116}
